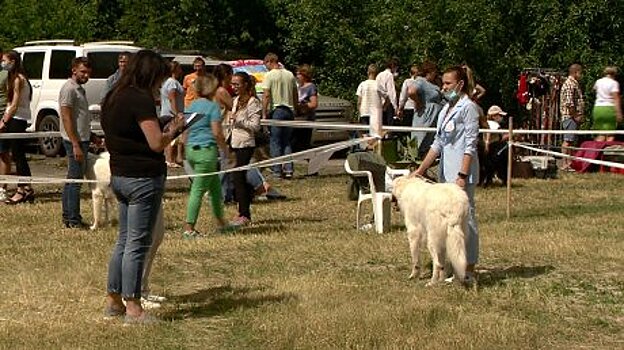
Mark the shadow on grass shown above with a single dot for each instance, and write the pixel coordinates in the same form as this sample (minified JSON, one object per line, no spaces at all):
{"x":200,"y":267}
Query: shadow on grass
{"x":496,"y":276}
{"x":557,"y":210}
{"x":287,"y":221}
{"x":220,"y":300}
{"x":268,"y":226}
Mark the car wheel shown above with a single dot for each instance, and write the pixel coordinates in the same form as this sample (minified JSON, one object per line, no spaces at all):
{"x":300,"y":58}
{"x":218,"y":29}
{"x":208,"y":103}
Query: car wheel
{"x":50,"y":146}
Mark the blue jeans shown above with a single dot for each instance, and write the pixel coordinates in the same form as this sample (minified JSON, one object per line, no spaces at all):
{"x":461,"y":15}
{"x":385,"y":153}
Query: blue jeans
{"x":253,"y":177}
{"x":280,"y":143}
{"x":139,"y":203}
{"x":472,"y":236}
{"x":71,"y":191}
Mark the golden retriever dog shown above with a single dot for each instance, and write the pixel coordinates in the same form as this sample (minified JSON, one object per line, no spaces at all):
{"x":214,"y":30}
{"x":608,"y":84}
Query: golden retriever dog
{"x":101,"y":193}
{"x":435,"y":215}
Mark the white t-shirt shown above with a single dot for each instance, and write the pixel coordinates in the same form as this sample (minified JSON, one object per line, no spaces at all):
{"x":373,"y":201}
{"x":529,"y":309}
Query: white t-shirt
{"x":493,"y":125}
{"x":371,"y":99}
{"x":386,"y":87}
{"x":605,"y":87}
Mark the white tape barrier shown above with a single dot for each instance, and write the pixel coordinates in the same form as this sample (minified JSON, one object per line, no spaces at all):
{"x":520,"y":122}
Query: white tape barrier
{"x":354,"y":127}
{"x":311,"y":154}
{"x":558,"y":154}
{"x":29,"y":135}
{"x":610,"y":150}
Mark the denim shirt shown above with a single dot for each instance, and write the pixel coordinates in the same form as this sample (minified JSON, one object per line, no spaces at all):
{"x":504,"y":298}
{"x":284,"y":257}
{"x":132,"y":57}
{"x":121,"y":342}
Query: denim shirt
{"x":457,"y":134}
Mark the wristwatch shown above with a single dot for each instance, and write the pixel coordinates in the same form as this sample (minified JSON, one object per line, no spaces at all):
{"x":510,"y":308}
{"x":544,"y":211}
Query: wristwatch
{"x":462,"y":175}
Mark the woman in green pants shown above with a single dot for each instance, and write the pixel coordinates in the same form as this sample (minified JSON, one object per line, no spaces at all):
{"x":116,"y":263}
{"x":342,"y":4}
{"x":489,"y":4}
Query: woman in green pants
{"x":607,"y":110}
{"x":205,"y":138}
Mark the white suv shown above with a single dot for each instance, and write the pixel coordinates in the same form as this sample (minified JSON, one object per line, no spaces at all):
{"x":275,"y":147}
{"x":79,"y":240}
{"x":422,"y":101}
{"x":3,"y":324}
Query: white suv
{"x":48,"y":66}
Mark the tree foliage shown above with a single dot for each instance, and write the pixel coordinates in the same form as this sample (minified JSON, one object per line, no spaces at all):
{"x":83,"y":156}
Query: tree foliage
{"x":341,"y":37}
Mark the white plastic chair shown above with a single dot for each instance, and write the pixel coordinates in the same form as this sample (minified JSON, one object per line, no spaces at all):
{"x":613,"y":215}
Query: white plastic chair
{"x":380,"y":200}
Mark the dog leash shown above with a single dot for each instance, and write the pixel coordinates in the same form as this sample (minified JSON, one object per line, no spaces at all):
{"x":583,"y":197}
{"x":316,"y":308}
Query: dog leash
{"x":426,"y":179}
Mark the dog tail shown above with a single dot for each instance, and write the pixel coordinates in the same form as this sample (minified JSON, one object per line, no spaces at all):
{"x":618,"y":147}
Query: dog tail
{"x":456,"y":248}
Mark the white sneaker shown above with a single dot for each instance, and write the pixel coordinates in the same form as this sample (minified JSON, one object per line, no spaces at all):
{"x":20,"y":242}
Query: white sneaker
{"x":155,"y":298}
{"x":366,"y":227}
{"x":3,"y":194}
{"x":149,"y":305}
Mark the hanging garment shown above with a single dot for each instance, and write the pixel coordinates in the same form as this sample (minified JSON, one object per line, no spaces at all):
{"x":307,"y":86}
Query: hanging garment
{"x":523,"y":90}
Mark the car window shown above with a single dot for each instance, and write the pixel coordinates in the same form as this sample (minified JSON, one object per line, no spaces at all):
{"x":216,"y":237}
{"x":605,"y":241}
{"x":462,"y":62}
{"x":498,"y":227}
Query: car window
{"x":33,"y":64}
{"x":60,"y":63}
{"x":103,"y":64}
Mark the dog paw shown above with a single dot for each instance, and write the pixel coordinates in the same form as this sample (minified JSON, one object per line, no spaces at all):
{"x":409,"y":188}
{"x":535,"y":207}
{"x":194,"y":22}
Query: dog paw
{"x":431,"y":284}
{"x":93,"y":227}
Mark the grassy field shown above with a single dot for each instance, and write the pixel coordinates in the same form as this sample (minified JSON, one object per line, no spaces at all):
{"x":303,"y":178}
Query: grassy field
{"x":301,"y":277}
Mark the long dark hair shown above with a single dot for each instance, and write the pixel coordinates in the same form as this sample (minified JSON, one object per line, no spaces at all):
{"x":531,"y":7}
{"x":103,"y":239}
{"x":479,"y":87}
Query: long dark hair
{"x":146,"y":70}
{"x":249,"y":82}
{"x":222,"y":71}
{"x":15,"y":72}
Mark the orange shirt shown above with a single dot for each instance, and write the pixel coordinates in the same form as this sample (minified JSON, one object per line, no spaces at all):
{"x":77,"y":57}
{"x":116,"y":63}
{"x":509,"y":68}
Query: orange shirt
{"x":187,"y":84}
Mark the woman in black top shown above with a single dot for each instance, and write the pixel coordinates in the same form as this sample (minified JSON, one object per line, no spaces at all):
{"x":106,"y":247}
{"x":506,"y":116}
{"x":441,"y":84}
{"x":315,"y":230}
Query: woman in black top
{"x":136,"y":142}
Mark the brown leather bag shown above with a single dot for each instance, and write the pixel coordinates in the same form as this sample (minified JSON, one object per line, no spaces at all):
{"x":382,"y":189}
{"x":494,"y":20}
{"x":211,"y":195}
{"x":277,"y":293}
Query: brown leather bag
{"x":522,"y":169}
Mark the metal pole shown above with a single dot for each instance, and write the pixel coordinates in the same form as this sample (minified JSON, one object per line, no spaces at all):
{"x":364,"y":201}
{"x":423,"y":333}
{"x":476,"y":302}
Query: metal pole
{"x":509,"y":166}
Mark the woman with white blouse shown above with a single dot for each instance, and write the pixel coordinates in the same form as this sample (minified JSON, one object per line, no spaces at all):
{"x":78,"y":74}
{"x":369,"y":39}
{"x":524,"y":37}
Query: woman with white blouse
{"x":607,"y":109}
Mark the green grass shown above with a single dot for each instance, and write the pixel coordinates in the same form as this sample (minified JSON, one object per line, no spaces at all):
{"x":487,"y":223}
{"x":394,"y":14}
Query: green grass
{"x":302,"y":277}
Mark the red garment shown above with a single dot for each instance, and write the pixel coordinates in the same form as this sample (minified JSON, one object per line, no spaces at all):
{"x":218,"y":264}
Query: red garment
{"x":523,"y":90}
{"x":230,"y":90}
{"x":583,"y":167}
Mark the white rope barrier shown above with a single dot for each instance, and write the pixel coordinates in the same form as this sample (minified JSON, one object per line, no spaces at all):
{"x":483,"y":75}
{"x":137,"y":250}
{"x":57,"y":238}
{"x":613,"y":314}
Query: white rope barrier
{"x":563,"y":155}
{"x":303,"y":155}
{"x":611,"y":150}
{"x":29,"y":135}
{"x":353,"y":127}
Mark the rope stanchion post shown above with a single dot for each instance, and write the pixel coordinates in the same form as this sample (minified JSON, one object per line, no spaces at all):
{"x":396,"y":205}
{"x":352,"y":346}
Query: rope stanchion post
{"x":509,"y":166}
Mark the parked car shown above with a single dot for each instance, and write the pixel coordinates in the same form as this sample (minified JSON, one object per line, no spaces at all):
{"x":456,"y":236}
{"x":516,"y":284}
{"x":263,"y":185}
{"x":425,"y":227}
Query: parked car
{"x":48,"y":65}
{"x":186,"y":61}
{"x":329,"y":110}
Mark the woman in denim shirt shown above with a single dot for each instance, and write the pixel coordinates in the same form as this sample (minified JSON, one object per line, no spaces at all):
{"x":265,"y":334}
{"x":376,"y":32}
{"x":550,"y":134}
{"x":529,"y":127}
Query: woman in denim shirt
{"x":456,"y":145}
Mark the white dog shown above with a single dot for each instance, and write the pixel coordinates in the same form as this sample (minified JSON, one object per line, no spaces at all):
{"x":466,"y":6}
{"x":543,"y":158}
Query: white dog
{"x":435,"y":214}
{"x":98,"y":168}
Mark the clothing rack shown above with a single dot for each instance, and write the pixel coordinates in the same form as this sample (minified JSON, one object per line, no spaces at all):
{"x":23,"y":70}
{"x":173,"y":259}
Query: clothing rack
{"x":543,"y":105}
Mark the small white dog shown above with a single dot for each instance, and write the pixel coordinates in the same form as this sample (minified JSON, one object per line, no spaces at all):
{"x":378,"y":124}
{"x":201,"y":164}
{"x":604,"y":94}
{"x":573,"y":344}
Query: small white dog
{"x":437,"y":215}
{"x":98,"y":168}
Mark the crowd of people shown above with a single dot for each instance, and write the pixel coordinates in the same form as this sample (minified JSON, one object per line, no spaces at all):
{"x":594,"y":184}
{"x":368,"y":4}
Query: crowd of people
{"x":143,"y":118}
{"x":136,"y":137}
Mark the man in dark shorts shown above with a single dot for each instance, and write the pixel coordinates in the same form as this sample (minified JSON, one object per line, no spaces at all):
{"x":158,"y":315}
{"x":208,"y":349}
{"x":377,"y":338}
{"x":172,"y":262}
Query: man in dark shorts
{"x":572,"y":108}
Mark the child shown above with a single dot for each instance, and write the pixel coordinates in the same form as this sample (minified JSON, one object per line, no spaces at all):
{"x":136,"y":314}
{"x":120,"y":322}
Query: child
{"x":369,"y":102}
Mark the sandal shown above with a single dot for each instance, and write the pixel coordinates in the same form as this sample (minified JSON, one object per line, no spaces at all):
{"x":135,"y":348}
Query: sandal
{"x":191,"y":234}
{"x":21,"y":196}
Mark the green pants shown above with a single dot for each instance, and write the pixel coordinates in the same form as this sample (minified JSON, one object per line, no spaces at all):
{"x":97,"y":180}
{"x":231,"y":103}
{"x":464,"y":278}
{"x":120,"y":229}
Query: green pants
{"x":604,"y":118}
{"x":203,"y":160}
